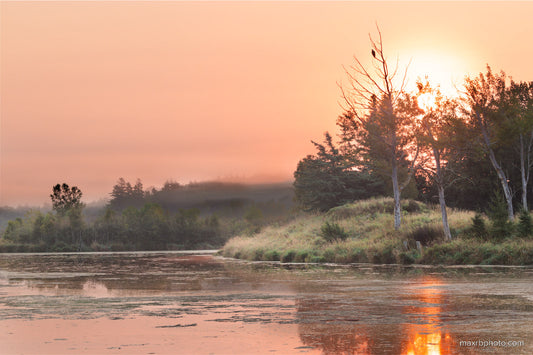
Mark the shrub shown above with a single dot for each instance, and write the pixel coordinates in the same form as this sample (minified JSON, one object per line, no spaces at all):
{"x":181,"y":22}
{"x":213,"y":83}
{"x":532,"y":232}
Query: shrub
{"x":426,"y":234}
{"x":412,"y":206}
{"x":272,"y":255}
{"x":288,"y":256}
{"x":525,"y":224}
{"x":409,"y":257}
{"x":478,"y":229}
{"x":501,"y":226}
{"x":332,"y":232}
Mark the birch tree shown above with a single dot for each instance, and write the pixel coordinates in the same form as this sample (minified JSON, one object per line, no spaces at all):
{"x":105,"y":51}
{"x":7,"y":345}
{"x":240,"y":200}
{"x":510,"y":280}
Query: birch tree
{"x":520,"y":112}
{"x":485,"y":96}
{"x":436,"y":133}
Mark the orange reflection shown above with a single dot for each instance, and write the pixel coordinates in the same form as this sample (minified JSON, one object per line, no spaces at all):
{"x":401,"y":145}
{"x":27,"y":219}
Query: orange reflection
{"x":424,"y":336}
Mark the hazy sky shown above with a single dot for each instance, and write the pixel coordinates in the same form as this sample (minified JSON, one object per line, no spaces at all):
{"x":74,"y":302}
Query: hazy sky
{"x":92,"y":91}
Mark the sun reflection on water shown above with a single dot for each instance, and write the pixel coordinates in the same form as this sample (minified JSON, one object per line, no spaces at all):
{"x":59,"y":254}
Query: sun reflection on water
{"x":424,"y":336}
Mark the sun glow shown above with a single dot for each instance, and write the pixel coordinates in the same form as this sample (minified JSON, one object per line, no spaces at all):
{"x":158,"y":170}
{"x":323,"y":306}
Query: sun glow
{"x":441,"y":70}
{"x":427,"y":101}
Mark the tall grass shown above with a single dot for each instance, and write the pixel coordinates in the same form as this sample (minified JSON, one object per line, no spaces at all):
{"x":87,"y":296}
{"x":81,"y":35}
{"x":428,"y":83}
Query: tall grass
{"x":365,"y":233}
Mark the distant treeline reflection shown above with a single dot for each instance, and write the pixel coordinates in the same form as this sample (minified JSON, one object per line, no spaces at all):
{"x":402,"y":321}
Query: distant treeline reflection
{"x":176,"y":217}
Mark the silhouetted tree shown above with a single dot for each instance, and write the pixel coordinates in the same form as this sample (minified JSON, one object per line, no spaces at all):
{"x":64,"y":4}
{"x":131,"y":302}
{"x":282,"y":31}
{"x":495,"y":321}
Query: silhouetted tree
{"x":65,"y":198}
{"x":519,"y":128}
{"x":436,"y":134}
{"x":485,"y":98}
{"x":125,"y":195}
{"x":330,"y":179}
{"x":379,"y":119}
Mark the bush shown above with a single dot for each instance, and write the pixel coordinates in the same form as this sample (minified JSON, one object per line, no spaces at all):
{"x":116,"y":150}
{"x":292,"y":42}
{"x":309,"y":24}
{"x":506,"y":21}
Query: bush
{"x":501,"y":226}
{"x":288,"y":256}
{"x":332,"y":232}
{"x":426,"y":234}
{"x":525,"y":224}
{"x":271,"y":255}
{"x":412,"y":206}
{"x":478,"y":229}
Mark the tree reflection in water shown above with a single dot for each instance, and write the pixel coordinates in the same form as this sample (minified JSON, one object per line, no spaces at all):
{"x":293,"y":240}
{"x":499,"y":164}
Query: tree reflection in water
{"x":410,"y":323}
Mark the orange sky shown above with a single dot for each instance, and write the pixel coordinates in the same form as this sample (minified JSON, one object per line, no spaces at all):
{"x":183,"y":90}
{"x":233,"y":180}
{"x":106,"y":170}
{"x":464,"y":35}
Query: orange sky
{"x":92,"y":91}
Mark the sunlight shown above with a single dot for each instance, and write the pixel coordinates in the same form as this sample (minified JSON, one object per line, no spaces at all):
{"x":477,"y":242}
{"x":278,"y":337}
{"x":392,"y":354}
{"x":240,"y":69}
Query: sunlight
{"x":427,"y":101}
{"x":425,"y":335}
{"x":440,"y":69}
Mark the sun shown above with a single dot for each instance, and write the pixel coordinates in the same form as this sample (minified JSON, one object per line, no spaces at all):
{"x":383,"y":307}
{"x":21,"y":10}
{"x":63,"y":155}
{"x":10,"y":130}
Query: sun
{"x":440,"y":68}
{"x":427,"y":101}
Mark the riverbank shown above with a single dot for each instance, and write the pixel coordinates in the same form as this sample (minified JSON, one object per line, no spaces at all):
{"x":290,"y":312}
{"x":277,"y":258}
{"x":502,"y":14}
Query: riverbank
{"x":363,"y":232}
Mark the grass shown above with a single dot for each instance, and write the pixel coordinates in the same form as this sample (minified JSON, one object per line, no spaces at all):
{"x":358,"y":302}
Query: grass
{"x":363,"y":232}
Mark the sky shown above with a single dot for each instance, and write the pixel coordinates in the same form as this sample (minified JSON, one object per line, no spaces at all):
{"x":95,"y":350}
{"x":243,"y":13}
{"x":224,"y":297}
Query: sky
{"x":193,"y":91}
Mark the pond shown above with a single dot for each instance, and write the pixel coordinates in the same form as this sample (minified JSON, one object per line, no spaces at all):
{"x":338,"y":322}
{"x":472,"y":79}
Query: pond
{"x":198,"y":303}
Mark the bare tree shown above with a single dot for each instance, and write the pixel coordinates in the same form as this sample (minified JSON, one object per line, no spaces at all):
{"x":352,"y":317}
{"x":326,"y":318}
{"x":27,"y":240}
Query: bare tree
{"x":379,"y":118}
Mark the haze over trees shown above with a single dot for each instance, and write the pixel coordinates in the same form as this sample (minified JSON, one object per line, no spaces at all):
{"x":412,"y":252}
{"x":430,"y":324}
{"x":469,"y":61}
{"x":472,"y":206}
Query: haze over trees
{"x":193,"y":216}
{"x":471,"y":151}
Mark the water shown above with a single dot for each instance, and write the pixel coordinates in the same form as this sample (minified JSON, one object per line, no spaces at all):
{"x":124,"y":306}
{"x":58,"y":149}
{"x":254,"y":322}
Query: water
{"x":172,"y":303}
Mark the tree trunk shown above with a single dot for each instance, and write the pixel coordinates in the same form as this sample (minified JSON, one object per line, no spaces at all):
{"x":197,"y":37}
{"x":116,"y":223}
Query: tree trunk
{"x":396,"y":193}
{"x":505,"y":184}
{"x":523,"y":172}
{"x":442,"y":202}
{"x":501,"y":174}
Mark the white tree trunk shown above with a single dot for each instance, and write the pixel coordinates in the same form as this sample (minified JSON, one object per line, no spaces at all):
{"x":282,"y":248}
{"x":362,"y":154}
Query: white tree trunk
{"x":442,"y":202}
{"x":396,"y":193}
{"x":501,"y":174}
{"x":523,"y":172}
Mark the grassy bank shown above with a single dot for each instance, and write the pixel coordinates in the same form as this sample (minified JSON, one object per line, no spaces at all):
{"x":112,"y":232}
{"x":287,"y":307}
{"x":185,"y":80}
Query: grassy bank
{"x":363,"y":232}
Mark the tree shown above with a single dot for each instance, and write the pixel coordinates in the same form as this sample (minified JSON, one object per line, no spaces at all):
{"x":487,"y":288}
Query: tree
{"x":65,"y":198}
{"x":329,"y":179}
{"x":485,"y":98}
{"x":379,"y":120}
{"x":436,"y":133}
{"x":171,"y":185}
{"x":520,"y":124}
{"x":124,"y":194}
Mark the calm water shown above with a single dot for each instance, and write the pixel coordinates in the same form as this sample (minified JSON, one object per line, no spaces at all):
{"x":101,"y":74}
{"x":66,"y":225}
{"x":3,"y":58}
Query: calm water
{"x":167,"y":303}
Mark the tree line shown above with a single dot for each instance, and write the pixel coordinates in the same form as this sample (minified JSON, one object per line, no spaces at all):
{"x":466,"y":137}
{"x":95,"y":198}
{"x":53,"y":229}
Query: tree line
{"x":461,"y":151}
{"x":176,"y":217}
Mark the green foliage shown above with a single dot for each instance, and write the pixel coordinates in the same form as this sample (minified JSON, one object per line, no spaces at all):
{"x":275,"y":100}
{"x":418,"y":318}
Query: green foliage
{"x":478,"y":229}
{"x":288,"y":256}
{"x":254,"y":218}
{"x":330,"y":179}
{"x":525,"y":224}
{"x":501,"y":226}
{"x":332,"y":232}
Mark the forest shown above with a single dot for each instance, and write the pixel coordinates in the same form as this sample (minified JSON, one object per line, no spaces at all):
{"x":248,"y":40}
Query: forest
{"x":470,"y":151}
{"x":174,"y":217}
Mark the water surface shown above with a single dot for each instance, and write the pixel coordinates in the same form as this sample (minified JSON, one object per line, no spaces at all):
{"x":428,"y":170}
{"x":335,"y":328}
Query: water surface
{"x":172,"y":303}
